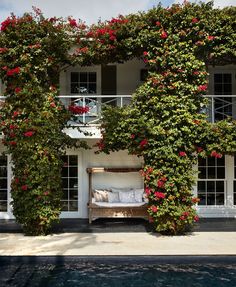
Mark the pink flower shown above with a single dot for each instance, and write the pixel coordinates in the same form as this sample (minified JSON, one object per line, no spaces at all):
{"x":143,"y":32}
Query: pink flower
{"x":46,"y":193}
{"x":196,"y":218}
{"x":132,"y":136}
{"x":13,"y":143}
{"x":148,"y":191}
{"x":17,"y":90}
{"x":215,"y":154}
{"x":29,"y":134}
{"x":164,"y":35}
{"x":24,"y":187}
{"x":145,"y":53}
{"x":72,"y":22}
{"x":52,"y":105}
{"x":3,"y":50}
{"x":182,"y":153}
{"x":14,"y":71}
{"x":211,"y":38}
{"x":161,"y":182}
{"x":195,"y":20}
{"x":199,"y":149}
{"x":154,"y":208}
{"x":159,"y":195}
{"x":158,"y":23}
{"x":143,"y":143}
{"x":112,"y":38}
{"x":17,"y":180}
{"x":202,"y":88}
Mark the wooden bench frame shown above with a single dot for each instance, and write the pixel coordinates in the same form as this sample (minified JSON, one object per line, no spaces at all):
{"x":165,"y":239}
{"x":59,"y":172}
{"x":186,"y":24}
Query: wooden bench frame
{"x":95,"y":211}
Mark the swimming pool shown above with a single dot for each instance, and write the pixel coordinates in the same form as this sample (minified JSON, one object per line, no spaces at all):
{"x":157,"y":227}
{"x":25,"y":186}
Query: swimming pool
{"x":83,"y":273}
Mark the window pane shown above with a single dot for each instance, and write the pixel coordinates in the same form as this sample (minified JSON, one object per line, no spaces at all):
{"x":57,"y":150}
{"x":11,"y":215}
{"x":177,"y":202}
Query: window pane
{"x":211,"y":161}
{"x":73,"y":172}
{"x":210,"y":199}
{"x":218,"y":89}
{"x":220,"y":186}
{"x":73,"y":160}
{"x":202,"y":173}
{"x":202,"y":198}
{"x":83,"y":77}
{"x":64,"y":172}
{"x":210,"y":187}
{"x":92,"y":88}
{"x":65,"y":182}
{"x":3,"y":194}
{"x":3,"y":206}
{"x":64,"y":206}
{"x":220,"y":172}
{"x":3,"y":160}
{"x":221,"y":161}
{"x":73,"y":194}
{"x":220,"y":199}
{"x":227,"y":78}
{"x":211,"y":172}
{"x":201,"y":161}
{"x":3,"y":171}
{"x":74,"y":88}
{"x":218,"y":78}
{"x":73,"y":206}
{"x":227,"y":89}
{"x":3,"y":183}
{"x":92,"y":77}
{"x":201,"y":186}
{"x":74,"y":77}
{"x":65,"y":194}
{"x":234,"y":192}
{"x":73,"y":183}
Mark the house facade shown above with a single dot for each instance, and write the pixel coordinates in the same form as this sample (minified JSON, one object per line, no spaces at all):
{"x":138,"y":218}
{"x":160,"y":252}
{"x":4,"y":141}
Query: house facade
{"x":114,"y":84}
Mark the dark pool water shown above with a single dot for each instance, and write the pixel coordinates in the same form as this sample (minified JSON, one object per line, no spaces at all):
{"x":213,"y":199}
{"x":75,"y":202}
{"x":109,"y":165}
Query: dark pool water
{"x":117,"y":275}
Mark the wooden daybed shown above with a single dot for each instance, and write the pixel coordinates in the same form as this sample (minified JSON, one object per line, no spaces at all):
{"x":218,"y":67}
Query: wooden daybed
{"x":113,"y":210}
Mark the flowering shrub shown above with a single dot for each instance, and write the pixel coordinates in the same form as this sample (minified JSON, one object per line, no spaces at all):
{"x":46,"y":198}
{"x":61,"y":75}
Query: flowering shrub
{"x":163,"y":123}
{"x":33,"y":49}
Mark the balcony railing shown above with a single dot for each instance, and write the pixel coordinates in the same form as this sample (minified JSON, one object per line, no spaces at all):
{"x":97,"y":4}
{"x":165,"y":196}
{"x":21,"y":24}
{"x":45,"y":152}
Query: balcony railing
{"x":220,"y":106}
{"x":95,"y":103}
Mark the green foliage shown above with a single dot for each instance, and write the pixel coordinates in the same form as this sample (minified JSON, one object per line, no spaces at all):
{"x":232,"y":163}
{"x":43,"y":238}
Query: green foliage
{"x":164,"y":123}
{"x":32,"y":51}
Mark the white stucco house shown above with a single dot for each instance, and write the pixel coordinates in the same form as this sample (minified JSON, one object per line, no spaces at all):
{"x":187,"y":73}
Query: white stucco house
{"x":95,"y":86}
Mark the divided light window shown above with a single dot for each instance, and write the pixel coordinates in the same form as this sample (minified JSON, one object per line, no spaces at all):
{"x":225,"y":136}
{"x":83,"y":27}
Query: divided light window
{"x":223,"y":86}
{"x":211,"y":181}
{"x":70,"y":183}
{"x":83,"y":83}
{"x":3,"y":183}
{"x":234,"y":180}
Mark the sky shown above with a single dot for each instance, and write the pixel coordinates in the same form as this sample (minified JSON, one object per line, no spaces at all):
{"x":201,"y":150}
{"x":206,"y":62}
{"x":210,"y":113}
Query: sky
{"x":89,"y":11}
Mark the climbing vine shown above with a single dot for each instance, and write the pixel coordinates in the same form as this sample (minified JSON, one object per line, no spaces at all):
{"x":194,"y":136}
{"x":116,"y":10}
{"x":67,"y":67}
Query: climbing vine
{"x":165,"y":123}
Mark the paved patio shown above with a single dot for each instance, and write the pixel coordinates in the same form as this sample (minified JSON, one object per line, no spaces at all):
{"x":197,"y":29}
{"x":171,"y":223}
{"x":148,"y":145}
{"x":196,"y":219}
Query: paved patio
{"x":115,"y":237}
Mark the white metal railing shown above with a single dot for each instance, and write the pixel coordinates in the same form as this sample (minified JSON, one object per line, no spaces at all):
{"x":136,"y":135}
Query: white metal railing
{"x":95,"y":104}
{"x":220,"y":106}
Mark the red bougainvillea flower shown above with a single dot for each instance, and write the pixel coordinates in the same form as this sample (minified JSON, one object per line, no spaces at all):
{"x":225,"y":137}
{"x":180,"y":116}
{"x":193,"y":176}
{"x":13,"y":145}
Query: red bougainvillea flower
{"x":195,"y":199}
{"x":112,"y":38}
{"x":132,"y":136}
{"x":159,"y":195}
{"x":72,"y":22}
{"x":78,"y":110}
{"x":158,"y":23}
{"x":46,"y":193}
{"x":202,"y":88}
{"x":4,"y":68}
{"x":161,"y":182}
{"x":29,"y":134}
{"x":154,"y":208}
{"x":195,"y":20}
{"x":8,"y":22}
{"x":211,"y":38}
{"x":52,"y":105}
{"x":12,"y":127}
{"x":150,"y":219}
{"x":24,"y":187}
{"x":17,"y":180}
{"x":199,"y":149}
{"x":216,"y":154}
{"x":17,"y":90}
{"x":182,"y":153}
{"x":15,"y":114}
{"x":164,"y":35}
{"x":143,"y":143}
{"x":148,"y":191}
{"x":196,"y":218}
{"x":13,"y":143}
{"x":3,"y":50}
{"x":14,"y":71}
{"x":145,"y":53}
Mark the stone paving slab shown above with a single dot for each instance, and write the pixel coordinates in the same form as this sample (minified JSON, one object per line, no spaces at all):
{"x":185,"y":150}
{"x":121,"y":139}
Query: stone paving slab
{"x":196,"y":243}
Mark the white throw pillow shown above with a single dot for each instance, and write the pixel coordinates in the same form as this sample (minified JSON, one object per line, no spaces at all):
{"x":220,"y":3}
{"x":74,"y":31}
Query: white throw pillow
{"x":100,"y":195}
{"x":127,"y":196}
{"x":138,"y":194}
{"x":113,"y":197}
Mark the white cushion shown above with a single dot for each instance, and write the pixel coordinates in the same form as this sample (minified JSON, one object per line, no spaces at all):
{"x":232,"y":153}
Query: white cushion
{"x":138,"y":194}
{"x":127,"y":196}
{"x":118,"y":189}
{"x":113,"y":197}
{"x":100,"y":195}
